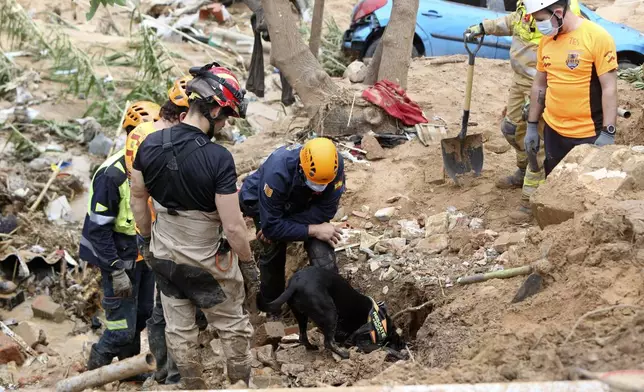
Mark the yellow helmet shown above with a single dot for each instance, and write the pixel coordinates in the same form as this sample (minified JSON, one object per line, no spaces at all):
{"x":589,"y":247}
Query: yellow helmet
{"x":319,"y":160}
{"x":140,"y":112}
{"x":177,"y":93}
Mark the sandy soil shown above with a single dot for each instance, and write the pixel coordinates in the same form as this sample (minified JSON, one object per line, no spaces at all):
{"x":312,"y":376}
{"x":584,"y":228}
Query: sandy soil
{"x":468,"y":334}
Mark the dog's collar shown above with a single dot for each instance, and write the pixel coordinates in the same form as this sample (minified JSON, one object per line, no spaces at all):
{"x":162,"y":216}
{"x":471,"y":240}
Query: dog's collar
{"x":378,"y":321}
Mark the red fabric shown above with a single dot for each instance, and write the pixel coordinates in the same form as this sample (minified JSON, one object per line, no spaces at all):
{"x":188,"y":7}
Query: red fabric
{"x":394,"y":100}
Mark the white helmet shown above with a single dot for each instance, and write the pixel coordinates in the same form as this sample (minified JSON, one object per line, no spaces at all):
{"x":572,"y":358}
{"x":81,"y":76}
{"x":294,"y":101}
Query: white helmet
{"x":532,"y":6}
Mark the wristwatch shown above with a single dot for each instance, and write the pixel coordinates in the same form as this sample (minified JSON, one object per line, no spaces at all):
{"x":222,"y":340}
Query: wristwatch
{"x":609,"y":129}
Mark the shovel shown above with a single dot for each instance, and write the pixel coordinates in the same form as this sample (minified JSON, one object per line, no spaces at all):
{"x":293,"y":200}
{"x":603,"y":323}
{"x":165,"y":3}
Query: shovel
{"x":464,"y":153}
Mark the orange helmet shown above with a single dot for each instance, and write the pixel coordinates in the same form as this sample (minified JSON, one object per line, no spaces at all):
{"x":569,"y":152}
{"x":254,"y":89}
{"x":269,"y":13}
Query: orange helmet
{"x":214,"y":83}
{"x":319,"y":160}
{"x":177,"y":93}
{"x":140,"y":112}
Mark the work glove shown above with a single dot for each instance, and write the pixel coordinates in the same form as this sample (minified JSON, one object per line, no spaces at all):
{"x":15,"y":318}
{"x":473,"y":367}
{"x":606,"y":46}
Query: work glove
{"x":476,"y":30}
{"x":605,"y":138}
{"x":121,"y":284}
{"x":143,"y":244}
{"x":531,"y":141}
{"x":250,"y":273}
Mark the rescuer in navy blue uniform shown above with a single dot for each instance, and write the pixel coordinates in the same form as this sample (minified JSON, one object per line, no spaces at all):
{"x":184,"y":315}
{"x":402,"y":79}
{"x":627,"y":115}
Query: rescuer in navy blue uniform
{"x":109,"y":242}
{"x":292,"y":197}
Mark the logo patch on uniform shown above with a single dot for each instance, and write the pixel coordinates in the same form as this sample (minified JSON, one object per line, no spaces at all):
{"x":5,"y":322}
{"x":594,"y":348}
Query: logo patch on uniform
{"x":610,"y":57}
{"x":338,"y":185}
{"x":546,"y":61}
{"x":572,"y":61}
{"x":268,"y":190}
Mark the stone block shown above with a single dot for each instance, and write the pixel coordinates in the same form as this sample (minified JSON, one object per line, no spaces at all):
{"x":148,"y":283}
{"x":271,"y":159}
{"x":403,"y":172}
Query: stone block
{"x":269,"y":333}
{"x":44,"y":307}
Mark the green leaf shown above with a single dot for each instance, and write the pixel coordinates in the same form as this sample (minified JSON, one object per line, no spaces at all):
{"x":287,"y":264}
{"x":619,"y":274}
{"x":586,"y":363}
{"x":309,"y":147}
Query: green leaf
{"x":92,"y":9}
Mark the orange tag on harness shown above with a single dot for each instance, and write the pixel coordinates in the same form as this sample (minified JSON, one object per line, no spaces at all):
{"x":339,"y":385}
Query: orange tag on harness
{"x":268,"y":190}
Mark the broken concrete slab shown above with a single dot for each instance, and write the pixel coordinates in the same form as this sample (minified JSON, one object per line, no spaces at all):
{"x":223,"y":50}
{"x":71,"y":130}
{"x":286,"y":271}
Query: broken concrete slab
{"x":269,"y":333}
{"x":589,"y":177}
{"x":391,"y":245}
{"x":434,"y":244}
{"x":505,"y":240}
{"x":265,"y":356}
{"x":384,"y":214}
{"x":28,"y":332}
{"x":436,"y":224}
{"x":44,"y":307}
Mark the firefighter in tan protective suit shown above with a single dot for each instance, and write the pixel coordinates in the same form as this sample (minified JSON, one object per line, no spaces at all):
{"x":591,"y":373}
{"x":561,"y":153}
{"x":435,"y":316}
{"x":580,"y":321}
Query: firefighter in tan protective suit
{"x":523,"y":59}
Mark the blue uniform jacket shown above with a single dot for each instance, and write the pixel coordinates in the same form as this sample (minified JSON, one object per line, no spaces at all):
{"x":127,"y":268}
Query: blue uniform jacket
{"x":286,"y":205}
{"x":100,"y":245}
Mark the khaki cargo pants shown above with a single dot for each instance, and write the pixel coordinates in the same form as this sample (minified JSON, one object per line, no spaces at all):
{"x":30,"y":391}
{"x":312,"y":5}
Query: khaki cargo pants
{"x":514,"y":129}
{"x":195,"y":269}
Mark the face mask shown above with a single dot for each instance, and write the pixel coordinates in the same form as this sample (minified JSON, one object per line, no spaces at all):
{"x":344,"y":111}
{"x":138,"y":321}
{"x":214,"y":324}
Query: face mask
{"x":315,"y":187}
{"x":546,"y":27}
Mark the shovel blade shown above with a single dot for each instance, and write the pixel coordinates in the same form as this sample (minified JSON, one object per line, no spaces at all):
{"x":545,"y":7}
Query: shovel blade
{"x":462,"y":156}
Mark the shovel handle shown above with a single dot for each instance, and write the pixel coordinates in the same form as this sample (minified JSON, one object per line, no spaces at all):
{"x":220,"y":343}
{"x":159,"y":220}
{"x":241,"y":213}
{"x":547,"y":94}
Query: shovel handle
{"x":469,"y":38}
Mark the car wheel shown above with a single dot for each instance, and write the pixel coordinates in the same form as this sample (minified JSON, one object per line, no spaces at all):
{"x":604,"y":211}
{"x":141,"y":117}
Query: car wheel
{"x":625,"y":64}
{"x":371,"y":49}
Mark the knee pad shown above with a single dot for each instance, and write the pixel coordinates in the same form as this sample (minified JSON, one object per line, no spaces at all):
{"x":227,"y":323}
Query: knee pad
{"x":509,"y":130}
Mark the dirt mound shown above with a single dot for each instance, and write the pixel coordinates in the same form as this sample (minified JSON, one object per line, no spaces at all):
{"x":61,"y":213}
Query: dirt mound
{"x":589,"y":264}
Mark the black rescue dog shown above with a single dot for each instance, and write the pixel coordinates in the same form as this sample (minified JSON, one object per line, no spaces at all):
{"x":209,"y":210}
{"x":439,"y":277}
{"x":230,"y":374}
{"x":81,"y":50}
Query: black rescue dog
{"x":342,"y":313}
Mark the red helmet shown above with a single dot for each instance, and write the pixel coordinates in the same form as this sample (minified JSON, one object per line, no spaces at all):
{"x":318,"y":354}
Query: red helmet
{"x":214,"y":83}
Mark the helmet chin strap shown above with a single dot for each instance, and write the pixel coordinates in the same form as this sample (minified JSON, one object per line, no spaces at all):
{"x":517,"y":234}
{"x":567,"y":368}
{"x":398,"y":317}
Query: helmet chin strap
{"x":559,"y":22}
{"x":205,"y":111}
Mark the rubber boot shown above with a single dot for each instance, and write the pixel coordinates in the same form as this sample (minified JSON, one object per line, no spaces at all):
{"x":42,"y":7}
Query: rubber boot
{"x":513,"y":181}
{"x":238,"y":372}
{"x":96,"y":359}
{"x":191,"y":371}
{"x":523,"y":214}
{"x":156,"y":341}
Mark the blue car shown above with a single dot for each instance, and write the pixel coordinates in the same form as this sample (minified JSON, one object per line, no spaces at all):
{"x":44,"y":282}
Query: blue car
{"x":440,"y":25}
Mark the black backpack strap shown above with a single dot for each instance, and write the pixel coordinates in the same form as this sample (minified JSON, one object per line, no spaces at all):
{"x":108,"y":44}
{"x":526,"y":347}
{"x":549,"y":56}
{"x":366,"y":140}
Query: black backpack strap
{"x":173,"y":160}
{"x":168,"y":150}
{"x":198,"y":142}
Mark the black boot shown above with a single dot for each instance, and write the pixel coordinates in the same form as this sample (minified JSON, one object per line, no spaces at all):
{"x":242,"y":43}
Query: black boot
{"x":97,"y":360}
{"x":238,"y":371}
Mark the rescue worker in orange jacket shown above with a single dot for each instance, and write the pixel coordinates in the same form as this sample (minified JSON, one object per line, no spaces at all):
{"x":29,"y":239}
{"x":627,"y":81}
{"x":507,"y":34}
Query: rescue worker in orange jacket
{"x":523,"y":59}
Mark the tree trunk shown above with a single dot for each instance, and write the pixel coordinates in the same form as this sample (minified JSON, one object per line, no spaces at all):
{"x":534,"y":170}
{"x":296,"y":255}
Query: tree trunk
{"x":393,"y":55}
{"x":316,"y":27}
{"x":294,"y":59}
{"x":372,"y":71}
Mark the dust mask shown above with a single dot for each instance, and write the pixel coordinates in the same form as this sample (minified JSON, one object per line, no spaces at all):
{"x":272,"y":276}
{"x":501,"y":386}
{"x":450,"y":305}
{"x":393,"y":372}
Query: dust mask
{"x":546,"y":27}
{"x":315,"y":187}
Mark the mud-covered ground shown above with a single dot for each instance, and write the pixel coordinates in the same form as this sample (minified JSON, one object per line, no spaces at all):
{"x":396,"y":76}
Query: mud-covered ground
{"x":462,"y":334}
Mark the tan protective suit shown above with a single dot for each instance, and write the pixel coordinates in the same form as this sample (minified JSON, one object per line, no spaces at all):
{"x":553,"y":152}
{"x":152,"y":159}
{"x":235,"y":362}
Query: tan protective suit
{"x":188,"y":242}
{"x":523,"y":59}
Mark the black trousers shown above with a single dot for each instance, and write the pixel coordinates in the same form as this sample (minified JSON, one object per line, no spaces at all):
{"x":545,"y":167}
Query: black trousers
{"x":272,"y":260}
{"x":557,"y":146}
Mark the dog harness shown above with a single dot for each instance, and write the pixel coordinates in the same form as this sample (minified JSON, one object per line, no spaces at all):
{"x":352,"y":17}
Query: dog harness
{"x":378,"y":322}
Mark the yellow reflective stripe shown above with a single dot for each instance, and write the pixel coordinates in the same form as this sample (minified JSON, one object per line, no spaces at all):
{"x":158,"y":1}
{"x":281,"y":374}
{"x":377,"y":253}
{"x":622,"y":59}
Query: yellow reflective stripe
{"x":119,"y":166}
{"x":533,"y":183}
{"x":116,"y":324}
{"x":100,"y":208}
